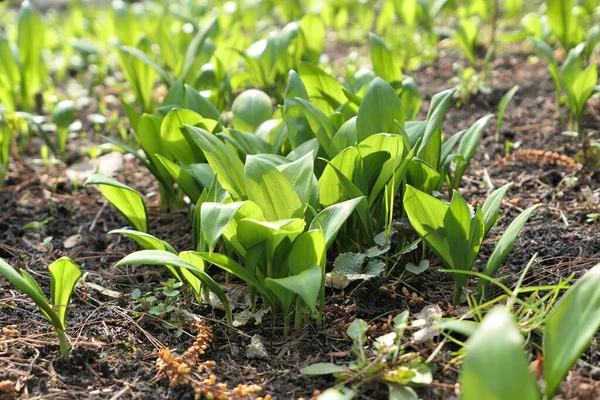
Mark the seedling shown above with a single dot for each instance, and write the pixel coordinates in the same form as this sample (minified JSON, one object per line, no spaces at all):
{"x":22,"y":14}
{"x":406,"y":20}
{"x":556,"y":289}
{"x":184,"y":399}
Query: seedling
{"x":385,"y":360}
{"x":39,"y":227}
{"x":64,"y":275}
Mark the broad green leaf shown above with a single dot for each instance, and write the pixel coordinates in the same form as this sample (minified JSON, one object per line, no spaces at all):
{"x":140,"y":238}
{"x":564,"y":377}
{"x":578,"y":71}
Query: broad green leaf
{"x":332,"y":218}
{"x":271,"y":190}
{"x":145,"y":240}
{"x":176,"y":141}
{"x":495,"y":356}
{"x":126,"y":200}
{"x":426,"y":215}
{"x":215,"y":217}
{"x":321,"y":126}
{"x":318,"y":82}
{"x":298,"y":127}
{"x":306,"y":284}
{"x":250,"y":109}
{"x":252,"y":232}
{"x":160,"y":257}
{"x":64,"y":275}
{"x":313,"y":28}
{"x":148,"y":135}
{"x":300,"y":174}
{"x":570,"y":328}
{"x":378,"y":111}
{"x":33,"y":291}
{"x":504,"y":247}
{"x":64,"y":113}
{"x":227,"y":166}
{"x":422,"y":176}
{"x":308,"y":249}
{"x":185,"y":180}
{"x":563,"y":22}
{"x":384,"y":64}
{"x":195,"y":283}
{"x":336,"y":190}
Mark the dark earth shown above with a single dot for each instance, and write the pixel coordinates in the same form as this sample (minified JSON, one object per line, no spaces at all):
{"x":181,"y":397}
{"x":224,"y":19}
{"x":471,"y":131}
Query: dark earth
{"x":115,"y":343}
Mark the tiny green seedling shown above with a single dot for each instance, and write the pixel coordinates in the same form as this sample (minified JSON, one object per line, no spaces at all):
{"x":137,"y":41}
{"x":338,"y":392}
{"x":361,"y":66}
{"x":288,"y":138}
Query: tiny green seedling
{"x":64,"y":275}
{"x":385,"y":360}
{"x":39,"y":226}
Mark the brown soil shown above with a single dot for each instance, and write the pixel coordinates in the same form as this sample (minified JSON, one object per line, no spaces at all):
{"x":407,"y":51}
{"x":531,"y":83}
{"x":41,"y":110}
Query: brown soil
{"x":116,"y":344}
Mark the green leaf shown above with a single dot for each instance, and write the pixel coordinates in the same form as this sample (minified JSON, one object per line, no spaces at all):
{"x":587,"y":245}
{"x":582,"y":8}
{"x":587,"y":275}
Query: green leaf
{"x":502,"y":108}
{"x":159,"y":257}
{"x":215,"y":217}
{"x":298,"y":127}
{"x":126,"y":200}
{"x":401,"y":392}
{"x":418,"y":269}
{"x":271,"y":191}
{"x":313,"y":28}
{"x":321,"y":126}
{"x":64,"y":275}
{"x":145,"y":240}
{"x":229,"y":265}
{"x":195,"y":283}
{"x":318,"y":82}
{"x":31,"y":290}
{"x":227,"y":166}
{"x":491,"y":206}
{"x":33,"y":69}
{"x":494,"y":356}
{"x":563,"y":22}
{"x":384,"y":64}
{"x":64,"y":114}
{"x":379,"y":110}
{"x":467,"y":147}
{"x":145,"y":58}
{"x":308,"y":249}
{"x":570,"y":328}
{"x":346,"y":162}
{"x":196,"y":45}
{"x":307,"y":284}
{"x":504,"y":247}
{"x":184,"y":179}
{"x":175,"y":140}
{"x":250,"y":109}
{"x":300,"y":174}
{"x":466,"y":33}
{"x":332,"y":218}
{"x":323,"y":369}
{"x":426,"y":215}
{"x":430,"y":148}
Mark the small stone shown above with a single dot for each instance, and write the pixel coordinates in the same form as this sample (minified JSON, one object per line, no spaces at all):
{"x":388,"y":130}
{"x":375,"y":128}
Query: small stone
{"x":72,"y":241}
{"x":256,"y":349}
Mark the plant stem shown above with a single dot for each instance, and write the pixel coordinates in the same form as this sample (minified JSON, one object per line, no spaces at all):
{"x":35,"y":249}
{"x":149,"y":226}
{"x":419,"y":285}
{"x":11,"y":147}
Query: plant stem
{"x":63,"y":343}
{"x":457,"y":292}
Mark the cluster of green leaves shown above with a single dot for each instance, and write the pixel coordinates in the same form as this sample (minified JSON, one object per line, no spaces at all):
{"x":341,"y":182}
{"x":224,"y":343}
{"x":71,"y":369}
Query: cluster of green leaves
{"x":385,"y":360}
{"x":456,"y":235}
{"x":64,"y":275}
